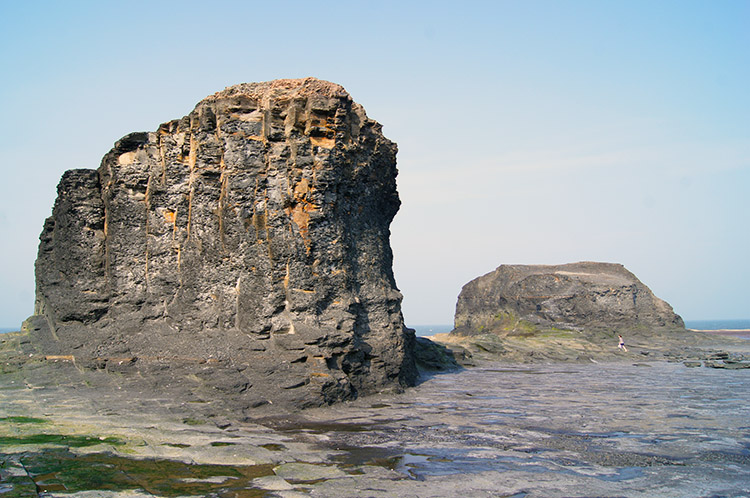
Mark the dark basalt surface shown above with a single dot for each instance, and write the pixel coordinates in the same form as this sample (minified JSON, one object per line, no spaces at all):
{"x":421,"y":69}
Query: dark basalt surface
{"x":245,"y":244}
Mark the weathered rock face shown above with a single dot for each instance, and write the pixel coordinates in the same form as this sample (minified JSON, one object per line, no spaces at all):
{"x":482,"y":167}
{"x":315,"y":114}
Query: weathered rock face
{"x":253,"y":232}
{"x":574,"y":296}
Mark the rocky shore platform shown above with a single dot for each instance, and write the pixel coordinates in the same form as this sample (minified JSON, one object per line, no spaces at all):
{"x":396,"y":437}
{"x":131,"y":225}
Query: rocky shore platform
{"x":692,"y":347}
{"x":631,"y":424}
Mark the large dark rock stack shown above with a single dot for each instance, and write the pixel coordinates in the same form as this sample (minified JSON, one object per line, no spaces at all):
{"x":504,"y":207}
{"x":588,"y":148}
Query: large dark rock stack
{"x":578,"y":296}
{"x":252,"y":234}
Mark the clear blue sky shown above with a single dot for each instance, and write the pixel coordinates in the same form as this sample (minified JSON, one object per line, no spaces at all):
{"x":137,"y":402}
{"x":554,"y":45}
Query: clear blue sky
{"x":528,"y":131}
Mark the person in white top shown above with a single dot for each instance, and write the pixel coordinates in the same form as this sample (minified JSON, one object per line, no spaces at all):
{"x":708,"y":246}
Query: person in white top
{"x":621,"y":345}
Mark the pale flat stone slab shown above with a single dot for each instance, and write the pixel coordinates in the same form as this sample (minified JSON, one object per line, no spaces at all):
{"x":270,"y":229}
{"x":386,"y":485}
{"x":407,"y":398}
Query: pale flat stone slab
{"x":298,"y":471}
{"x":272,"y":483}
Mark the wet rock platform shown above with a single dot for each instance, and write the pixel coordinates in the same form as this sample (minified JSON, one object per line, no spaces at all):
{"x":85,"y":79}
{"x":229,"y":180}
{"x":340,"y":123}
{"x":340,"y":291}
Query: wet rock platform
{"x":628,"y":428}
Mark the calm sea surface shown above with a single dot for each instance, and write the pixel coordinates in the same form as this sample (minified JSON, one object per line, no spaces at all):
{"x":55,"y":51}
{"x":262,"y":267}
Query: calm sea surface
{"x":424,"y":330}
{"x":718,"y":324}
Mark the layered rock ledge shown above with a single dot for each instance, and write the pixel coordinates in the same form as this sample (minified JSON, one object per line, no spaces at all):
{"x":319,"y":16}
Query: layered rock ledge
{"x":560,"y":312}
{"x":247,"y":242}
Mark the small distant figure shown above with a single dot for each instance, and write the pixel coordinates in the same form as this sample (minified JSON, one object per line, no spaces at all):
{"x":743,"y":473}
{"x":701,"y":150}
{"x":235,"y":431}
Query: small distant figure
{"x":621,"y":345}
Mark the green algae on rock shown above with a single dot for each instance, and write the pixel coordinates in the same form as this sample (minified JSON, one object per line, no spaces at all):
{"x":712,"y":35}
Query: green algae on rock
{"x":62,"y":471}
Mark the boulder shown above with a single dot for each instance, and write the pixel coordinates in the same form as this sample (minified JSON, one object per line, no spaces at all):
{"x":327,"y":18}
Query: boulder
{"x":432,"y":356}
{"x":586,"y":296}
{"x":250,"y":236}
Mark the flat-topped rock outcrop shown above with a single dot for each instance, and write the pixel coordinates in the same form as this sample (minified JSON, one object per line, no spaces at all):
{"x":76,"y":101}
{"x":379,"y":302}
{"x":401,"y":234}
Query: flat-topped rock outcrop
{"x":251,"y":235}
{"x":575,"y":296}
{"x":571,"y":312}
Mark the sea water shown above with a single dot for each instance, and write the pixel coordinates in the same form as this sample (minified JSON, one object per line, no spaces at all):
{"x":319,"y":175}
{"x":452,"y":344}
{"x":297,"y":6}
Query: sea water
{"x":718,"y":324}
{"x":735,"y":328}
{"x":426,"y":330}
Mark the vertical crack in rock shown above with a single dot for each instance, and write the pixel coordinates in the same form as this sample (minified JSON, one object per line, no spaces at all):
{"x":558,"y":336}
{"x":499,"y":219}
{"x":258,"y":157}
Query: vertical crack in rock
{"x":253,"y":233}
